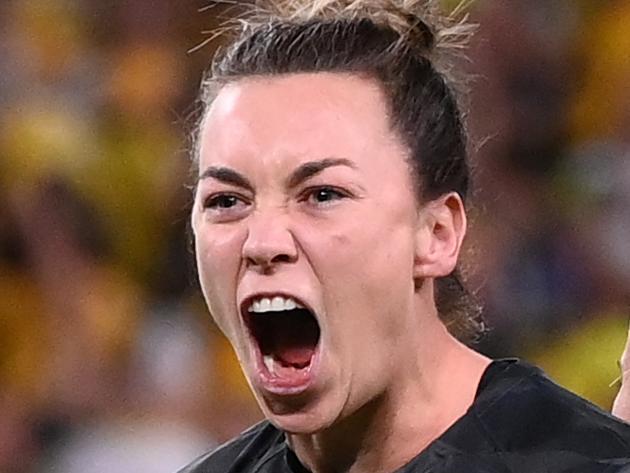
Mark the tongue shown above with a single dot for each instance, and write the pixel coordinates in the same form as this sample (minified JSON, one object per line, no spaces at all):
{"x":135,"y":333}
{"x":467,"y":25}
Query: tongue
{"x":298,"y":357}
{"x":294,"y":339}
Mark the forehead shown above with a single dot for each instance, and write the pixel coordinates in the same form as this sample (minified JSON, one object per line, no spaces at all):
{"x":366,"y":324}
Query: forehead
{"x":324,"y":114}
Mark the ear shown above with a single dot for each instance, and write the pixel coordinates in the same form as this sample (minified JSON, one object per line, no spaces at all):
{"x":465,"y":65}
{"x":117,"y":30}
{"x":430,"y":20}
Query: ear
{"x":439,"y":236}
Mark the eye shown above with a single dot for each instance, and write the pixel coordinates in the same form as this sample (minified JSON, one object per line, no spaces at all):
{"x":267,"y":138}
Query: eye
{"x":324,"y":195}
{"x":221,"y":203}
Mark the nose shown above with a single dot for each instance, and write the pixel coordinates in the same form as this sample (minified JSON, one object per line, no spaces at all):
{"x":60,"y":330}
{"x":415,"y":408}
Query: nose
{"x":269,"y":242}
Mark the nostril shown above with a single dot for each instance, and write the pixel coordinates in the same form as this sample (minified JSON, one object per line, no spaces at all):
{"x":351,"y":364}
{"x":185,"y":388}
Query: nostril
{"x":268,"y":263}
{"x":268,"y":242}
{"x":281,"y":259}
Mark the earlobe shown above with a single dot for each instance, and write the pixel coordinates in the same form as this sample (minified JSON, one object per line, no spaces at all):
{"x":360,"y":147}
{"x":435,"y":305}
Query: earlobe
{"x":439,"y":236}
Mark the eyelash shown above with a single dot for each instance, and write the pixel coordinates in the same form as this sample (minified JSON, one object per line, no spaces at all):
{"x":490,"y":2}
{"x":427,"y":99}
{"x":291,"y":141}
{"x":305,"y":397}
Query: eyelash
{"x":313,"y":191}
{"x":213,"y":201}
{"x":216,"y":202}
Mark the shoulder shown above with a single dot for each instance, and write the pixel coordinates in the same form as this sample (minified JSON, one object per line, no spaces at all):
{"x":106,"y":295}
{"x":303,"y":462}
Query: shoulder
{"x":241,"y":454}
{"x":521,"y":409}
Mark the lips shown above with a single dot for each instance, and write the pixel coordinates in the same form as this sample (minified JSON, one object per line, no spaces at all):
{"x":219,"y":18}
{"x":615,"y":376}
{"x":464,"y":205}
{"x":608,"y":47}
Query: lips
{"x":284,"y":336}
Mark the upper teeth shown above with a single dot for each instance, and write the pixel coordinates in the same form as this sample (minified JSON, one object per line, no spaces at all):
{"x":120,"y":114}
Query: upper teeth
{"x":277,"y":303}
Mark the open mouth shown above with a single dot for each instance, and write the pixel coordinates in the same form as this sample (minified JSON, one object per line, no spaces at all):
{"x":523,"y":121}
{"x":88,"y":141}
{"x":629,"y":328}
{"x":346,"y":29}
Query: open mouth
{"x":287,"y":337}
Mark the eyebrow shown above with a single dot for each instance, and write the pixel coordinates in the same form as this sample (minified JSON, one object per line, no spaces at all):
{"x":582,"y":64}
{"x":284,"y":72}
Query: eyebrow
{"x":227,"y":176}
{"x":311,"y":168}
{"x":302,"y":173}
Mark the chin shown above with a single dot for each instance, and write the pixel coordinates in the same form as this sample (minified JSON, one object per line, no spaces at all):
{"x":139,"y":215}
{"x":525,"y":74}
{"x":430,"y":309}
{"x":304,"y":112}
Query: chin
{"x":300,"y":418}
{"x":300,"y":424}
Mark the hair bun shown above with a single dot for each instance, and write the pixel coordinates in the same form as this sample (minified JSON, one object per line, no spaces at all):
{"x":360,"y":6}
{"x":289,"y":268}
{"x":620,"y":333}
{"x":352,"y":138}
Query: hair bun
{"x":421,"y":24}
{"x":419,"y":34}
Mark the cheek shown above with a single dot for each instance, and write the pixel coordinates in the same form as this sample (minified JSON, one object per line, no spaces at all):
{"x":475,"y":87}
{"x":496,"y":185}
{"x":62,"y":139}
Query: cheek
{"x":218,"y":262}
{"x":376,"y":255}
{"x":366,"y":276}
{"x":367,"y":284}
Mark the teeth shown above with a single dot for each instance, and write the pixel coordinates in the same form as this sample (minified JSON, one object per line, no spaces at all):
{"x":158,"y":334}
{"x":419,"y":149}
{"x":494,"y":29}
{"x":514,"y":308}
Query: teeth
{"x":277,"y":304}
{"x":269,"y":363}
{"x":265,"y":305}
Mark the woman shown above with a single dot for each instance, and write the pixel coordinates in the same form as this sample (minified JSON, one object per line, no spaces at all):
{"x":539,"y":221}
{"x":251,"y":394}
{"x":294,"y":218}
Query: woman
{"x":328,"y":218}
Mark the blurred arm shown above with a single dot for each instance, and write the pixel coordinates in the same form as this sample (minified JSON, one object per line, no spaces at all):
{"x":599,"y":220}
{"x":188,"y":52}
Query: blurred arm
{"x":621,"y":406}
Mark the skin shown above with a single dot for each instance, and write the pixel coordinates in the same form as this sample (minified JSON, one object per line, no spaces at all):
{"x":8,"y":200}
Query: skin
{"x":621,"y":407}
{"x":349,"y":240}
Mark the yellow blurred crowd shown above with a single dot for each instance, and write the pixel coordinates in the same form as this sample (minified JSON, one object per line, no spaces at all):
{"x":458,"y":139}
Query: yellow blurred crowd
{"x":106,"y":349}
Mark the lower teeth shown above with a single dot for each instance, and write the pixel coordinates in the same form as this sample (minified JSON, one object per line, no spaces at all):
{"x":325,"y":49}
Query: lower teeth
{"x":279,"y":368}
{"x":270,"y":363}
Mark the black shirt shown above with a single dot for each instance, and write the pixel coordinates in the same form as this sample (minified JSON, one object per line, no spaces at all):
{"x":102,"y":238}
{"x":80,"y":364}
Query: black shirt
{"x":520,"y":422}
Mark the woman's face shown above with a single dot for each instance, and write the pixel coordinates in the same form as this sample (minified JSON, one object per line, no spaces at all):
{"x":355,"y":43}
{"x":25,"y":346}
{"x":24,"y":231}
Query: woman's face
{"x":305,"y":199}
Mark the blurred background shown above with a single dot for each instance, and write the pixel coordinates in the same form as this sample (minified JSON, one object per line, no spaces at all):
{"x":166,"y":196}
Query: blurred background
{"x":109,"y":361}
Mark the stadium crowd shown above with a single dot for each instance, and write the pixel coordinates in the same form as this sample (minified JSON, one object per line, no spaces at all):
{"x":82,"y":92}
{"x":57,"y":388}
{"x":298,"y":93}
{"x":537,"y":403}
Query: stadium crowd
{"x":108,"y":359}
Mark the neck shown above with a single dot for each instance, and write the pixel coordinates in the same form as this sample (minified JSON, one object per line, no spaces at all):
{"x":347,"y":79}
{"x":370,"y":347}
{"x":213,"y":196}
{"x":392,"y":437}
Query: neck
{"x":427,"y":397}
